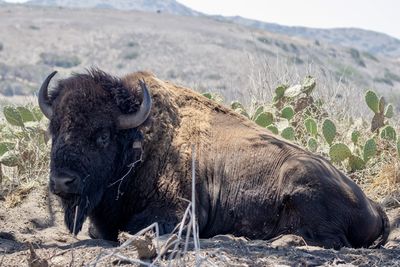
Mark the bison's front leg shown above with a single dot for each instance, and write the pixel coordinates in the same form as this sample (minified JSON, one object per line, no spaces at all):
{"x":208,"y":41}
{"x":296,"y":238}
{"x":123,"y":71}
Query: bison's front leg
{"x":166,"y":219}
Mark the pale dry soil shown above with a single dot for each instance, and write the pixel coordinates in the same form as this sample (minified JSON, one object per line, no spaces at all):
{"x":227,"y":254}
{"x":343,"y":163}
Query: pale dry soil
{"x":35,"y":219}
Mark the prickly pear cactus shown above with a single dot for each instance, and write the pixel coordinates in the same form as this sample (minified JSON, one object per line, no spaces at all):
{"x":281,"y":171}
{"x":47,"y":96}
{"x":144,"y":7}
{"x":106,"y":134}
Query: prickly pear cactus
{"x":207,"y":94}
{"x":339,"y":152}
{"x":388,"y":133}
{"x":288,"y":133}
{"x":369,"y":150}
{"x":378,"y":121}
{"x":381,"y":105}
{"x":293,"y":91}
{"x":287,"y":112}
{"x":356,"y":163}
{"x":311,"y":126}
{"x":355,"y":135}
{"x":9,"y":159}
{"x":13,"y":116}
{"x":239,"y":108}
{"x":213,"y":96}
{"x":389,"y":111}
{"x":329,"y":131}
{"x":372,"y":101}
{"x":312,"y":144}
{"x":378,"y":107}
{"x":273,"y":129}
{"x":280,"y":92}
{"x":258,"y":111}
{"x":236,"y":105}
{"x":308,"y":85}
{"x":264,"y":119}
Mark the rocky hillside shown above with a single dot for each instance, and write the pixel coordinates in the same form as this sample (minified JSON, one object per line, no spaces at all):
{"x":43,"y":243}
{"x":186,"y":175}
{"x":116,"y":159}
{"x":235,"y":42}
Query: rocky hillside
{"x":199,"y":52}
{"x":369,"y":41}
{"x":168,"y":6}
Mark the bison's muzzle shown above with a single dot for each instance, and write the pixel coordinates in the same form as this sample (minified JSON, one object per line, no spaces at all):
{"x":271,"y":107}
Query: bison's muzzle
{"x":65,"y":185}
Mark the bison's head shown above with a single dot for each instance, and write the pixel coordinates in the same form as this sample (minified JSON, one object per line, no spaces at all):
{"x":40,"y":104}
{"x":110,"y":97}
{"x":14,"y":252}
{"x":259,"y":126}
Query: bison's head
{"x":93,"y":120}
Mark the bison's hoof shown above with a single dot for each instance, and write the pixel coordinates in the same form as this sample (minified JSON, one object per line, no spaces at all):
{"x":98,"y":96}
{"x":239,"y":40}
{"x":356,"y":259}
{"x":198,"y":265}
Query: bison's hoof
{"x":288,"y":241}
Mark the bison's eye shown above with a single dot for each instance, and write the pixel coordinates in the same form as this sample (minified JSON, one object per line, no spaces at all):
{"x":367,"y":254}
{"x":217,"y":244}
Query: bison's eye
{"x":103,"y":139}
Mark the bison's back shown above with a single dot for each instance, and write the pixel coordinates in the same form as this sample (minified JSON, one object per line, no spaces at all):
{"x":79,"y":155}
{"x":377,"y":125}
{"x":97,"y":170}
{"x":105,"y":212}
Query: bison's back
{"x":249,"y":181}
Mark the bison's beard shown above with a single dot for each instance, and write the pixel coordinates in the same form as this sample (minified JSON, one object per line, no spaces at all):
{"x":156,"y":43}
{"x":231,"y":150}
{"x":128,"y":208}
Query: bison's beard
{"x":76,"y":210}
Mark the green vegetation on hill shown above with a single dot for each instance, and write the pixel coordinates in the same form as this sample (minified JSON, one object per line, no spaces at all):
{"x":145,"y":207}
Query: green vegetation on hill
{"x":63,"y":61}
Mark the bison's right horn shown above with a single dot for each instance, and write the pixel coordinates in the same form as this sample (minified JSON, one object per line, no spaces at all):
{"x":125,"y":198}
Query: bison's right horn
{"x":126,"y":121}
{"x":43,"y":96}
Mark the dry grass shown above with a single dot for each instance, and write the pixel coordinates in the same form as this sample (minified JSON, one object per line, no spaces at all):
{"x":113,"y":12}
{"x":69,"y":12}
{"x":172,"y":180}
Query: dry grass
{"x":385,"y":186}
{"x":15,"y":197}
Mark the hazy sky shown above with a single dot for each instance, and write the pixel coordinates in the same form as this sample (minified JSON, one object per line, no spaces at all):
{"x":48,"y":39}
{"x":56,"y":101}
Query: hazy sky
{"x":378,"y":15}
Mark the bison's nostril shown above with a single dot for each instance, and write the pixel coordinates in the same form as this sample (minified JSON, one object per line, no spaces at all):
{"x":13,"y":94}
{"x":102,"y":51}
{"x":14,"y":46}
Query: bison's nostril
{"x":64,"y":184}
{"x":68,"y":182}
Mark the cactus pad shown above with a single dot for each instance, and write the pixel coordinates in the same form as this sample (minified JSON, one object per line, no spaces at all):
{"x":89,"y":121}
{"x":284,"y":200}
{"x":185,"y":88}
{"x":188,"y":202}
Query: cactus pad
{"x":264,"y":119}
{"x":236,"y":105}
{"x":355,"y":135}
{"x":280,"y":91}
{"x":13,"y":116}
{"x":369,"y":150}
{"x":329,"y":131}
{"x":6,"y":146}
{"x":381,"y":105}
{"x":308,"y":85}
{"x":312,"y":144}
{"x":372,"y":101}
{"x":389,"y":133}
{"x":288,"y":133}
{"x":259,"y":110}
{"x":9,"y":159}
{"x":356,"y":163}
{"x":26,"y":114}
{"x":311,"y":126}
{"x":377,"y":122}
{"x":208,"y":95}
{"x":273,"y":129}
{"x":389,"y":111}
{"x":287,"y":112}
{"x":339,"y":152}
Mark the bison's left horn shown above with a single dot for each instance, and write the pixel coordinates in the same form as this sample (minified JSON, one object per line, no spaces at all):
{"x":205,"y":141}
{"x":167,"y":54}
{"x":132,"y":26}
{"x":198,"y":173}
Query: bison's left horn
{"x":131,"y":121}
{"x":43,"y":97}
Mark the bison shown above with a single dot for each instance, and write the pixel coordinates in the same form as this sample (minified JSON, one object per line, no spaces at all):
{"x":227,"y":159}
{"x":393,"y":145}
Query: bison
{"x":121,"y":155}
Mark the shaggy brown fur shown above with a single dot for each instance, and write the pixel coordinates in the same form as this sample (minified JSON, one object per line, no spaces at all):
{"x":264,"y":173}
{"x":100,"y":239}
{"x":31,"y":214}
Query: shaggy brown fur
{"x":250,"y":182}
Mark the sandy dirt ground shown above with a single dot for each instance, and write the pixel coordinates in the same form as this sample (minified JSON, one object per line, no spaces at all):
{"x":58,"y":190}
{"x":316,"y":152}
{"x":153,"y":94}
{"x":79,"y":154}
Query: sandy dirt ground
{"x":32,"y":234}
